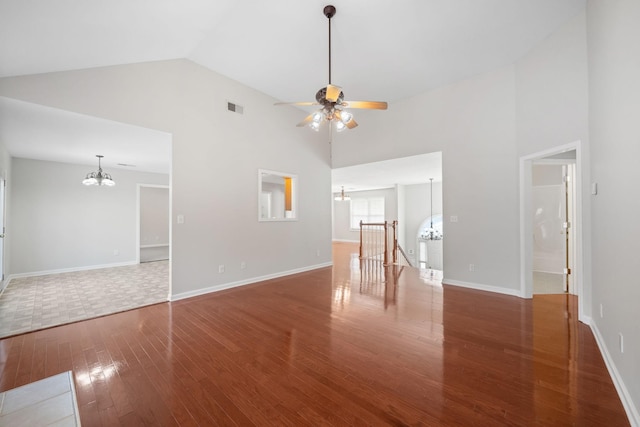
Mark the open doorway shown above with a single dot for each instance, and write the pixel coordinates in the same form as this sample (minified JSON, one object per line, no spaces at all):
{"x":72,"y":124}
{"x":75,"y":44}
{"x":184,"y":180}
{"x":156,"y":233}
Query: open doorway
{"x":154,"y":223}
{"x":551,"y":242}
{"x":430,"y":243}
{"x":553,"y":210}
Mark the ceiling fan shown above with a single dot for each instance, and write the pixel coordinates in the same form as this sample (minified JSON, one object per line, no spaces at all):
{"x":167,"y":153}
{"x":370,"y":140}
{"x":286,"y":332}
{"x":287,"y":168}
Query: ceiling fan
{"x":331,"y":99}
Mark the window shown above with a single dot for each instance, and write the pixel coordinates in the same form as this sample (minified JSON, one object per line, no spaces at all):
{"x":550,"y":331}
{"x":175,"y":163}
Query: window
{"x":369,"y":210}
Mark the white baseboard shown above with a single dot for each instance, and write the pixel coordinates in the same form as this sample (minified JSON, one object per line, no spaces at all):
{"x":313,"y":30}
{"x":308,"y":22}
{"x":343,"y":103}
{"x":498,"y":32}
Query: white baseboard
{"x":625,"y":398}
{"x":68,"y":270}
{"x":223,"y":286}
{"x":481,"y":287}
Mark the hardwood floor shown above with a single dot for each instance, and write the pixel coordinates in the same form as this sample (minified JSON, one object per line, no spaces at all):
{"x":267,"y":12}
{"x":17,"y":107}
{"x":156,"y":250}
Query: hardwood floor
{"x":336,"y":346}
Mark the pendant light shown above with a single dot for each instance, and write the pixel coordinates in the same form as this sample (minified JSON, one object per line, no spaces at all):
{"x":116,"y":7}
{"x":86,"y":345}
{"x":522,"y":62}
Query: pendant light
{"x":342,"y":197}
{"x":431,"y":233}
{"x":99,"y":178}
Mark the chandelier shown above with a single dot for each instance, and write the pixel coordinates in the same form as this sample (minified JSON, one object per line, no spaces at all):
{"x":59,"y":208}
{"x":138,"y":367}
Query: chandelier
{"x":342,"y":197}
{"x":99,"y":178}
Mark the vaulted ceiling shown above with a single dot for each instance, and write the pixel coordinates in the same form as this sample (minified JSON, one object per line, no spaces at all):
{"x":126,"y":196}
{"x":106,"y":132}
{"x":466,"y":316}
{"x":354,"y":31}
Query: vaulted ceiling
{"x":387,"y":50}
{"x":382,"y":50}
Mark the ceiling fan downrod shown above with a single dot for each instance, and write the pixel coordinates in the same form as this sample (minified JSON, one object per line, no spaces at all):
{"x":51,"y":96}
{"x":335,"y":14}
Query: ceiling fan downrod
{"x":329,"y":12}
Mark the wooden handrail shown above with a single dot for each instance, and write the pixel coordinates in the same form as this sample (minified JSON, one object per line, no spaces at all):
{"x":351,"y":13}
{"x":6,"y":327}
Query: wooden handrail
{"x":374,"y":248}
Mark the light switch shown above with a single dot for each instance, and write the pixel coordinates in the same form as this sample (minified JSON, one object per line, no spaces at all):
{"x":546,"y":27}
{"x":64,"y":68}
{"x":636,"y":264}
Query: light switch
{"x":594,"y":188}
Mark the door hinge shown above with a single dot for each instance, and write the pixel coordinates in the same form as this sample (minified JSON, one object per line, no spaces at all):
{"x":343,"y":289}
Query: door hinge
{"x":567,"y":271}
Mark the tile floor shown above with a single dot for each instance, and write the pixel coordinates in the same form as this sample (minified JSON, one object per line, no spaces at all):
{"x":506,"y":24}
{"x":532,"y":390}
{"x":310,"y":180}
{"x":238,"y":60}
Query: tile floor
{"x":48,"y":402}
{"x":548,"y":283}
{"x":32,"y":303}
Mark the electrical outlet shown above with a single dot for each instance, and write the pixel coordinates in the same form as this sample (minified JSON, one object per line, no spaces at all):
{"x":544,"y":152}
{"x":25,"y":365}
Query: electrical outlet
{"x":317,"y":252}
{"x":472,"y":267}
{"x":116,"y":252}
{"x":410,"y":251}
{"x":621,"y":342}
{"x":454,"y":218}
{"x":180,"y":219}
{"x":243,"y":265}
{"x":221,"y":268}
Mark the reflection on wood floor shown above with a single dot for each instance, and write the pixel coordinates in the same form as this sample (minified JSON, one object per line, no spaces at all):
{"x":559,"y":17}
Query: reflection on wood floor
{"x":334,"y":346}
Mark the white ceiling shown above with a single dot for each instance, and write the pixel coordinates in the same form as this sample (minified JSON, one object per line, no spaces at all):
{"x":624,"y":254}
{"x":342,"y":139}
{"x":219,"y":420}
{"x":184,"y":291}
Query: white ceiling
{"x":403,"y":171}
{"x":382,"y":50}
{"x":37,"y":132}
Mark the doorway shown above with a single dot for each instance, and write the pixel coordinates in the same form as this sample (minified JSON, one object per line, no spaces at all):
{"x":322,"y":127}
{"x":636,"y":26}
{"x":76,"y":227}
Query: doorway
{"x":563,"y":196}
{"x":154,"y":223}
{"x":553,"y":210}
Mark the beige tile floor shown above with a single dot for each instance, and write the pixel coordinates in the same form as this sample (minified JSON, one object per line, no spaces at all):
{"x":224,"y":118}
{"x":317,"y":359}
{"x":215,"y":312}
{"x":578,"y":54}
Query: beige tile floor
{"x":48,"y":402}
{"x":548,"y":283}
{"x":32,"y":303}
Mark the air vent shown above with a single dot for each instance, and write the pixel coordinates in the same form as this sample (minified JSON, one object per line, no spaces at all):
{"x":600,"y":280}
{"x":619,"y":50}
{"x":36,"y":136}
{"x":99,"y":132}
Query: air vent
{"x":126,"y":165}
{"x":234,"y":107}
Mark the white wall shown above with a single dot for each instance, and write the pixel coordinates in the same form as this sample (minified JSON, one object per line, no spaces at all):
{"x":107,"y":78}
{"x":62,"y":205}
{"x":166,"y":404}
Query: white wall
{"x":57,"y":223}
{"x":614,"y":90}
{"x":473,"y":123}
{"x":155,"y":223}
{"x":154,"y":215}
{"x":342,"y":212}
{"x":216,"y":156}
{"x":552,"y":110}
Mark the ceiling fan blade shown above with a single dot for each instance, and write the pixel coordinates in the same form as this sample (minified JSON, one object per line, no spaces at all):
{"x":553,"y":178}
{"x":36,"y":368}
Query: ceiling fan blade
{"x":371,"y":105}
{"x":306,"y":121}
{"x":333,"y":92}
{"x":351,"y":124}
{"x":297,"y":103}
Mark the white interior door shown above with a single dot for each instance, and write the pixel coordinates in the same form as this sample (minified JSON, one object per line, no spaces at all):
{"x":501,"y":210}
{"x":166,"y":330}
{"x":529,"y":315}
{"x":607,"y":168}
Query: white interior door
{"x":549,"y":239}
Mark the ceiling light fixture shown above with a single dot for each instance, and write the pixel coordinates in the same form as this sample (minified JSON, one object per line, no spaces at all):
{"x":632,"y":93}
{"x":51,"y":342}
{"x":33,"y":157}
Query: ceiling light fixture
{"x":342,"y":197}
{"x":431,"y":233}
{"x":99,"y":178}
{"x":331,"y":98}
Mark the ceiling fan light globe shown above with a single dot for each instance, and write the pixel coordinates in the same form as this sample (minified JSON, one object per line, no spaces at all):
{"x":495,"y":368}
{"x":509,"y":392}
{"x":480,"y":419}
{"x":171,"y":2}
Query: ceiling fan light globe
{"x":318,"y":117}
{"x":346,"y":117}
{"x":340,"y":126}
{"x":315,"y":126}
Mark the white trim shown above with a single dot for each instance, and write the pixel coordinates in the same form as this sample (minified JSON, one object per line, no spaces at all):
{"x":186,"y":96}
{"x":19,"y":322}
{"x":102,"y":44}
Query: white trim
{"x":223,"y":286}
{"x":526,"y":237}
{"x":69,"y":270}
{"x":160,"y":245}
{"x":346,"y":241}
{"x":632,"y":412}
{"x":555,"y":161}
{"x":481,"y":287}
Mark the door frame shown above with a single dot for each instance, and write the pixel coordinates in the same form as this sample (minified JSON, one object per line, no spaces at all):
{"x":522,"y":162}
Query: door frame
{"x":526,"y":222}
{"x":3,"y":219}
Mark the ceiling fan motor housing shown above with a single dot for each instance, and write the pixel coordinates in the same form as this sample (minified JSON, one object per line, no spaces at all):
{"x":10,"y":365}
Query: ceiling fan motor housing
{"x":321,"y":97}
